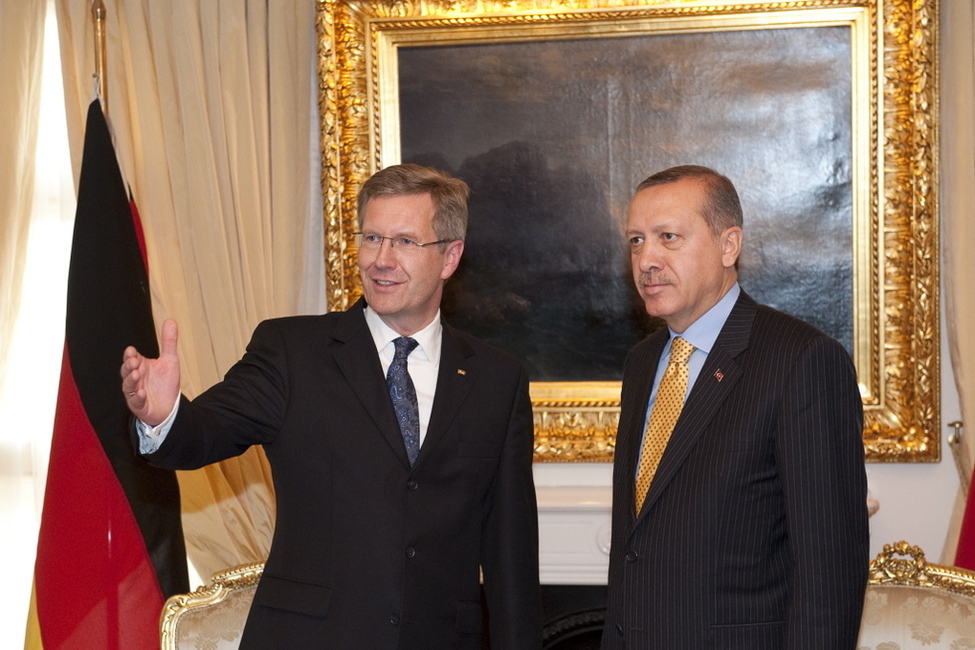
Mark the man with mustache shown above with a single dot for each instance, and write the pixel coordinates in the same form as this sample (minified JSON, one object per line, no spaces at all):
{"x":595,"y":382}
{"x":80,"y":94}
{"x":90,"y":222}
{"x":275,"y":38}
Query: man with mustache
{"x":401,"y":448}
{"x":739,"y":498}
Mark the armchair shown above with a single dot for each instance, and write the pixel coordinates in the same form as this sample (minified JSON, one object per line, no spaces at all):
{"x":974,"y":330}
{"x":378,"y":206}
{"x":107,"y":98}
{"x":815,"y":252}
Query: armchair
{"x":212,"y":617}
{"x":912,"y":604}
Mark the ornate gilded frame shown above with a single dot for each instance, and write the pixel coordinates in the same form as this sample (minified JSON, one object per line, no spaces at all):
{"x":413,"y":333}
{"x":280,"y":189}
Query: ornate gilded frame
{"x":896,"y":326}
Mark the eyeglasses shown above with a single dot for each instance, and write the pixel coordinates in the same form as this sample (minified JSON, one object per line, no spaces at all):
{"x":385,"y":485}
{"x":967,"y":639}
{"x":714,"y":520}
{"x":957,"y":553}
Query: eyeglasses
{"x":373,"y":242}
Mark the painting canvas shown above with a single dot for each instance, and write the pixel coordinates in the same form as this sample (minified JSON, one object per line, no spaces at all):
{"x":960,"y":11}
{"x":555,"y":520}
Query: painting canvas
{"x":553,"y":136}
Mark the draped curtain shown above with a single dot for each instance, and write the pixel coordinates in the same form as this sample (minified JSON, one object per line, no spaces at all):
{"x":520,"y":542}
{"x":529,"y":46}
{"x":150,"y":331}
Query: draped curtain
{"x":211,"y":105}
{"x":958,"y":218}
{"x":21,"y":475}
{"x":21,"y":43}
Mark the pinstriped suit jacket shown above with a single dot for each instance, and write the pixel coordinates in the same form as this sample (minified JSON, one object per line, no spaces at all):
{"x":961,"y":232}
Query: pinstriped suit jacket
{"x":754,"y":533}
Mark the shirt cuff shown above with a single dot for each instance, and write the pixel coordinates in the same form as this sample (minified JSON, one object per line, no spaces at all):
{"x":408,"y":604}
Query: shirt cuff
{"x":151,"y":438}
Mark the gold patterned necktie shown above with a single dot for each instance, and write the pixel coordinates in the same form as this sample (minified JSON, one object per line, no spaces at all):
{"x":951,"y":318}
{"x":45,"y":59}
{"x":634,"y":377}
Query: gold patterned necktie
{"x":666,"y":409}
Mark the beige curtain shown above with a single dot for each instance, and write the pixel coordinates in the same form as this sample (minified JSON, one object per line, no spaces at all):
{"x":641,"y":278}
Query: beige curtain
{"x":21,"y":480}
{"x":210,"y":102}
{"x":21,"y":45}
{"x":958,"y":213}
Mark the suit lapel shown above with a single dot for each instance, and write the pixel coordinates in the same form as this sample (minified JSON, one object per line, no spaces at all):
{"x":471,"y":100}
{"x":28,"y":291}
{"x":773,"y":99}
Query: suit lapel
{"x":455,"y":379}
{"x":713,"y":385}
{"x":359,"y":362}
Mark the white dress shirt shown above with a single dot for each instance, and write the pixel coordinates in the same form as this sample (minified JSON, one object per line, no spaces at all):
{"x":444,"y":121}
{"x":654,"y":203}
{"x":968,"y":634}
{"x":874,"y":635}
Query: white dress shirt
{"x":423,"y":362}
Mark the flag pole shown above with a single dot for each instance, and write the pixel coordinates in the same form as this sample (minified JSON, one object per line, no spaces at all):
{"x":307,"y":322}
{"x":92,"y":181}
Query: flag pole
{"x":98,"y":13}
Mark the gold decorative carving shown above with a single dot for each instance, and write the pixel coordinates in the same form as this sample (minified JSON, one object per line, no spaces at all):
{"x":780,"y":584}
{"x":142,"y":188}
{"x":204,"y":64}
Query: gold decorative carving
{"x":222,"y":585}
{"x":574,"y":433}
{"x":896,"y":239}
{"x":905,"y":565}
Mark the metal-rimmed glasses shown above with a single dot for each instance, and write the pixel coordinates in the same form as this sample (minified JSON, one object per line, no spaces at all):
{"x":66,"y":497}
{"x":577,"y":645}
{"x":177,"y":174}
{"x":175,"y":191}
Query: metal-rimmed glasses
{"x":373,"y":242}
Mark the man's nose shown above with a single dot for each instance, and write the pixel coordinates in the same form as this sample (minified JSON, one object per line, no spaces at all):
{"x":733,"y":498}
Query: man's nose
{"x":648,"y":259}
{"x":385,"y":254}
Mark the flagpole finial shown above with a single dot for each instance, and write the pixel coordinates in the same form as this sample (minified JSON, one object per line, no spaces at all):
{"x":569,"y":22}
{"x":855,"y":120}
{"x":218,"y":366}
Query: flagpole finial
{"x":101,"y":78}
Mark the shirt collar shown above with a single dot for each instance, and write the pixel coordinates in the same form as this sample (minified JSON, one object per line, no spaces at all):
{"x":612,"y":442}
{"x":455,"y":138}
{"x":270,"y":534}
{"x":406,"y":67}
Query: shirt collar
{"x":428,"y":339}
{"x":703,"y":332}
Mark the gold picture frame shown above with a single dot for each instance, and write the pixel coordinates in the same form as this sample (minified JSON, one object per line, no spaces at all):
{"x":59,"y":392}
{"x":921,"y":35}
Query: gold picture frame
{"x":894,"y":236}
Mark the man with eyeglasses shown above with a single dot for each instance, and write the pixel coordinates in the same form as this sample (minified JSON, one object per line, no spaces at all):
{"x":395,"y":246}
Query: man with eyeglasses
{"x":401,"y":448}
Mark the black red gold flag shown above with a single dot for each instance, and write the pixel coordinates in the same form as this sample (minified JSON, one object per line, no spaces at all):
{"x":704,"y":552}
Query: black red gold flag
{"x":111,"y":547}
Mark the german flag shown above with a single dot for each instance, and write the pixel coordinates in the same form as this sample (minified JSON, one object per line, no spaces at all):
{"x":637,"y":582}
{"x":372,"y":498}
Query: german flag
{"x":965,"y":553}
{"x":111,"y":548}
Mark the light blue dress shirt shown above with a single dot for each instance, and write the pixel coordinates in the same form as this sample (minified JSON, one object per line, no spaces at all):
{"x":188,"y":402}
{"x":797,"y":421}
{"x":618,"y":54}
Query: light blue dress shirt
{"x":702,"y":334}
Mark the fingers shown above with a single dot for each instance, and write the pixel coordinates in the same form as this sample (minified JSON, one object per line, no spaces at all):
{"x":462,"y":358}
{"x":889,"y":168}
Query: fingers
{"x":151,"y":386}
{"x":170,"y":332}
{"x":136,"y":401}
{"x":130,"y":361}
{"x":130,"y":373}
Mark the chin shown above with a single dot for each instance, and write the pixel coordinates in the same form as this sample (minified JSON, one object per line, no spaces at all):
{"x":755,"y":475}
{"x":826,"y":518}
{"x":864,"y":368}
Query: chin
{"x":380,"y":304}
{"x":655,"y":308}
{"x":383,"y":307}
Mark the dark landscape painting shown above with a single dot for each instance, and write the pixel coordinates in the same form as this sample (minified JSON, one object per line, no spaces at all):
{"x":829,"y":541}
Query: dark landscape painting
{"x":552,"y":137}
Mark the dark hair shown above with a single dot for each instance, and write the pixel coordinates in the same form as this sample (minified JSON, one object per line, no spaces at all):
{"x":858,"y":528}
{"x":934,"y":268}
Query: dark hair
{"x":722,"y":210}
{"x":449,"y":195}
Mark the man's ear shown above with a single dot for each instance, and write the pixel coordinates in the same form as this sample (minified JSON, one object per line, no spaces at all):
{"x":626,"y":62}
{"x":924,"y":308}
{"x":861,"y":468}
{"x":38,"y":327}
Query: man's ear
{"x":730,"y":246}
{"x":451,"y":258}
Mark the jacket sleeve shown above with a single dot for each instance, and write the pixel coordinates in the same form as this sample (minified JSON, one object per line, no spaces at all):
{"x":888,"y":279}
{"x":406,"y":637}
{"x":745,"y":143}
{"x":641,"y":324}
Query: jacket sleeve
{"x":244,"y":409}
{"x":819,"y":447}
{"x":510,"y":545}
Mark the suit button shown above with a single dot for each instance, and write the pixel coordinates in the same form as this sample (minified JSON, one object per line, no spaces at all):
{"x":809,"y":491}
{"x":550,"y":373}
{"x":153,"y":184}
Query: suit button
{"x":619,"y":629}
{"x":410,"y":551}
{"x":632,"y":556}
{"x":411,"y":485}
{"x":394,"y":619}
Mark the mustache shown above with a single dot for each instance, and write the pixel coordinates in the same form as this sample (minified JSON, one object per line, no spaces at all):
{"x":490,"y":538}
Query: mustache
{"x":654,"y":277}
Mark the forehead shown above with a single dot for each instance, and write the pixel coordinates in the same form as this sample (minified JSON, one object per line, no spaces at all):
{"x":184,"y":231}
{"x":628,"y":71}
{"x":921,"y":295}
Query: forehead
{"x":681,"y":200}
{"x":402,"y":213}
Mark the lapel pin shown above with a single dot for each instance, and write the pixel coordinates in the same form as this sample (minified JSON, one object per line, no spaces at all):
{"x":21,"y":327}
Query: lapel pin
{"x":461,"y":372}
{"x":718,"y":374}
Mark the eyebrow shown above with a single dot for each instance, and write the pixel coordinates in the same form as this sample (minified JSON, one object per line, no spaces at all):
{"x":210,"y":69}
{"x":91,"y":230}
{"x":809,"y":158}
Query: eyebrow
{"x":400,"y":234}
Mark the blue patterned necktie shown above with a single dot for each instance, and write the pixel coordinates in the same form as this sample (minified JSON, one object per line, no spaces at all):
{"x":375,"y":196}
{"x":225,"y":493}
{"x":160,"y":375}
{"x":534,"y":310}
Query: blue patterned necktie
{"x":403,"y":394}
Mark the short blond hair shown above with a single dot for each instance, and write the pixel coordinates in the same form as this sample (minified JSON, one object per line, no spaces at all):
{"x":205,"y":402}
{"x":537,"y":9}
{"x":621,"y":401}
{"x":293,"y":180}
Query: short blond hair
{"x":449,"y":195}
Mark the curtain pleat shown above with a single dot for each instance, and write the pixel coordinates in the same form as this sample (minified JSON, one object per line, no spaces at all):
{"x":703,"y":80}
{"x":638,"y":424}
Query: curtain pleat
{"x":212,"y":120}
{"x":21,"y":51}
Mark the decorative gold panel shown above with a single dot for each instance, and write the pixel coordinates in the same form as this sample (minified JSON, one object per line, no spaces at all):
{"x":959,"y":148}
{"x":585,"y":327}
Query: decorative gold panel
{"x":894,"y":172}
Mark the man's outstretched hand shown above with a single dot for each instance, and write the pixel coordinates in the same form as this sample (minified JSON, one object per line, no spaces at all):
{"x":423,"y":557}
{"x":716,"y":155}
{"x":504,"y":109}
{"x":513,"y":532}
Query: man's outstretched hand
{"x":151,"y":386}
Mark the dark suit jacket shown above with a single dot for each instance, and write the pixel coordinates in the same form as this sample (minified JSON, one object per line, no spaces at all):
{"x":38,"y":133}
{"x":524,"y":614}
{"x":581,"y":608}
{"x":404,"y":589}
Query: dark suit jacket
{"x":367,"y":552}
{"x":753,"y":535}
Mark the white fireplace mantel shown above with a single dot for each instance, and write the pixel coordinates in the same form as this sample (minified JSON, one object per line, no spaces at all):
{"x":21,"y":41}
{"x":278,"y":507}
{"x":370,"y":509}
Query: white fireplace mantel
{"x":574,"y":503}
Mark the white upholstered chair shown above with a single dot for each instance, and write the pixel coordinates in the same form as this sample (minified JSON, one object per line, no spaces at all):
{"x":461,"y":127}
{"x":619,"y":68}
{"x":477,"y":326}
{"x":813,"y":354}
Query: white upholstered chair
{"x":910,"y":605}
{"x":913,"y":605}
{"x":212,"y":617}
